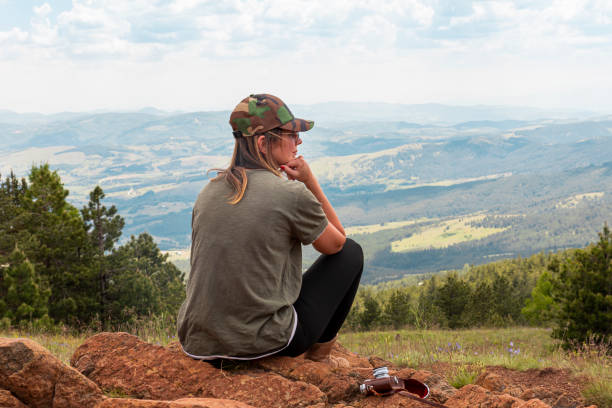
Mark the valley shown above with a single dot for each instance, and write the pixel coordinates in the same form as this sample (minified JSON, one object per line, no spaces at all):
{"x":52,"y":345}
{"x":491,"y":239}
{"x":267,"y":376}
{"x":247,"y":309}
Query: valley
{"x":420,"y":194}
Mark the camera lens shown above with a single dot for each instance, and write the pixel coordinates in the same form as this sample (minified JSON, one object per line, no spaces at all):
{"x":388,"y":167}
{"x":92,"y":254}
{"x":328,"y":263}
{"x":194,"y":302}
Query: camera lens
{"x":381,"y":372}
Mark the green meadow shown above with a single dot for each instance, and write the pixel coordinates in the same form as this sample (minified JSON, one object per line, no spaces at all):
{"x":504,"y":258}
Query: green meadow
{"x":444,"y":234}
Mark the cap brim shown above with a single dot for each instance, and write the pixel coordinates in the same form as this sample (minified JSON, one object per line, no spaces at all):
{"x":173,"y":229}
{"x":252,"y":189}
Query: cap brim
{"x":298,"y":125}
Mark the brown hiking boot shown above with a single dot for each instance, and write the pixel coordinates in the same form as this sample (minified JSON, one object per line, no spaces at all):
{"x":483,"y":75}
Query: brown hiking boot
{"x":321,"y":352}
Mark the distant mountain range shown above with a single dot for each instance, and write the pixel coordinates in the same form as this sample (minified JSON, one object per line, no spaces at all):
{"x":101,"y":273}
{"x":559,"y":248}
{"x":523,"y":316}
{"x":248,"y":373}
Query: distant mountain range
{"x":378,"y":163}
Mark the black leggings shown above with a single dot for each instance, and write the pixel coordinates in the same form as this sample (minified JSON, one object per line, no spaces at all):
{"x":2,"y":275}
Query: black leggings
{"x":328,"y":290}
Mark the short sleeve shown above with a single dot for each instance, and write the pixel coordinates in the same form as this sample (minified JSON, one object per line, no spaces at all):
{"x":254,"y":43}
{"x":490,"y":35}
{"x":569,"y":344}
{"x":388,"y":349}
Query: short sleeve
{"x":308,"y":220}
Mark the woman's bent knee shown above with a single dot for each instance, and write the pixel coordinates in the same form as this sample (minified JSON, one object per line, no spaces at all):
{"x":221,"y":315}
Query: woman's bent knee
{"x":353,"y":250}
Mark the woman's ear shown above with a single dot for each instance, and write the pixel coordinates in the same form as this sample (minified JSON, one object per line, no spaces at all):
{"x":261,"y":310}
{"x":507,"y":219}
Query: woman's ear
{"x":261,"y":144}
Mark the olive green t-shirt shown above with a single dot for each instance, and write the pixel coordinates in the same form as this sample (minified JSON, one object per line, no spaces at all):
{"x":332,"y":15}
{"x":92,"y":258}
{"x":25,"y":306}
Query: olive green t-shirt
{"x":246,"y":266}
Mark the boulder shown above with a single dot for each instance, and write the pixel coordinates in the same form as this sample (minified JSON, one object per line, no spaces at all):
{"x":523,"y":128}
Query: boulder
{"x":38,"y":379}
{"x":122,"y":362}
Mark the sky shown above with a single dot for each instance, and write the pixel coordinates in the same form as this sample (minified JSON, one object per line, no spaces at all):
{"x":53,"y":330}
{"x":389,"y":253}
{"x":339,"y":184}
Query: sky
{"x":83,"y":55}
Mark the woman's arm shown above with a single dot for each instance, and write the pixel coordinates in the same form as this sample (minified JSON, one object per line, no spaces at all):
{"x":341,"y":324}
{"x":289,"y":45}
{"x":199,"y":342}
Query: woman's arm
{"x":333,"y":237}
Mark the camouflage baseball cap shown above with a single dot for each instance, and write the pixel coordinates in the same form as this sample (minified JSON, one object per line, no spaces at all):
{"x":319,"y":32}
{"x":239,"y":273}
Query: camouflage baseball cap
{"x":259,"y":113}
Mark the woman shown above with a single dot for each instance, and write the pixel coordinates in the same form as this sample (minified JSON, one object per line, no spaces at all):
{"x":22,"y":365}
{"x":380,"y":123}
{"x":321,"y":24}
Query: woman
{"x":246,"y":296}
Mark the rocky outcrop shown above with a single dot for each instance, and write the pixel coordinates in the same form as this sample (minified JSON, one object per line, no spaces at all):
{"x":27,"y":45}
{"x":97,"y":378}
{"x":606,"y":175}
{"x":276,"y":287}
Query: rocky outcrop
{"x":122,"y":362}
{"x":31,"y":377}
{"x":38,"y":379}
{"x":149,"y":376}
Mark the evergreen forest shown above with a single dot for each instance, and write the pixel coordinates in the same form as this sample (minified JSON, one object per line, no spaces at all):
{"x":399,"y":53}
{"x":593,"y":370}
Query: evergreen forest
{"x":63,"y":265}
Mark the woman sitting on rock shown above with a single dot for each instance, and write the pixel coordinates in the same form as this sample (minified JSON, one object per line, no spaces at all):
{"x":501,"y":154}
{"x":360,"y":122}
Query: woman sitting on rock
{"x":246,"y":295}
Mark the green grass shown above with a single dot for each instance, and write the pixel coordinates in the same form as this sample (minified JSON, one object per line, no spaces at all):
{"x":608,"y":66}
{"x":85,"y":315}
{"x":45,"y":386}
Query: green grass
{"x":515,"y":348}
{"x":63,"y":341}
{"x":464,"y":375}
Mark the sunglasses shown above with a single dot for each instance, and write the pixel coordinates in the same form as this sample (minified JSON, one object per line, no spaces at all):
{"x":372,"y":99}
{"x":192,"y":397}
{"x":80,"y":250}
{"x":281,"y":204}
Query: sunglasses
{"x":294,"y":136}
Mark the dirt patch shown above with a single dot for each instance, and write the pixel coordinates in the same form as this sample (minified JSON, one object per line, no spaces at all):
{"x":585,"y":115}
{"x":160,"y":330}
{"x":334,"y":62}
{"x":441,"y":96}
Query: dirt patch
{"x":556,"y":381}
{"x":563,"y":381}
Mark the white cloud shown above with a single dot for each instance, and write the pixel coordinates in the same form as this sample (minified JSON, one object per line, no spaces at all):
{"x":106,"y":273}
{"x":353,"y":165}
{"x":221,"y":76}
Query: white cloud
{"x":14,"y":35}
{"x":42,"y":11}
{"x":43,"y":33}
{"x":170,"y":53}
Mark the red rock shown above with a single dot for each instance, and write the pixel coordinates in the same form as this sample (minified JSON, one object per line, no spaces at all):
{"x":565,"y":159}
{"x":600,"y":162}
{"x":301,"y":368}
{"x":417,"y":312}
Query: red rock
{"x":379,"y":362}
{"x":473,"y":395}
{"x":30,"y":377}
{"x":491,"y":381}
{"x":541,"y":393}
{"x":439,"y":389}
{"x":334,"y":382}
{"x":39,"y":379}
{"x":565,"y":401}
{"x":532,"y":403}
{"x":393,"y":401}
{"x":355,"y":360}
{"x":7,"y":400}
{"x":181,"y":403}
{"x":122,"y":362}
{"x":208,"y":403}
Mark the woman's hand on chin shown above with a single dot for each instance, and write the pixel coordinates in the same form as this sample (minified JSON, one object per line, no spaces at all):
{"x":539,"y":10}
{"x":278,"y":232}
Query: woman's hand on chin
{"x":298,"y":169}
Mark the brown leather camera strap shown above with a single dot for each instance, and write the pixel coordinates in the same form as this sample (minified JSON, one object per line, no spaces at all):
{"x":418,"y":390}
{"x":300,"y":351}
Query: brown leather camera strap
{"x":421,"y":400}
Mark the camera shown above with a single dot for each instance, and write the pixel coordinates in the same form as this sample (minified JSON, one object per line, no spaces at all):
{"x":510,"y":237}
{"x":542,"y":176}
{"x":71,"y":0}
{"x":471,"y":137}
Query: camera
{"x":383,"y":384}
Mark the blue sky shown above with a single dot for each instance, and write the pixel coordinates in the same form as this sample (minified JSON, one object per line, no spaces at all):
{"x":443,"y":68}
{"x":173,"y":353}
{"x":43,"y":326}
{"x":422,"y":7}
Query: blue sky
{"x":198,"y":54}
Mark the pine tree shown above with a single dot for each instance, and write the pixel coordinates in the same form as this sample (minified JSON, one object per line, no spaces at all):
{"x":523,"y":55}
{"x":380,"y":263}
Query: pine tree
{"x":103,"y":226}
{"x":353,"y":318}
{"x":22,"y":297}
{"x":142,"y":281}
{"x":506,"y":305}
{"x":58,"y":245}
{"x":12,"y":192}
{"x":479,"y":306}
{"x":452,"y":299}
{"x":397,"y":310}
{"x":428,"y":312}
{"x":540,"y":307}
{"x":371,"y":312}
{"x":583,"y":292}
